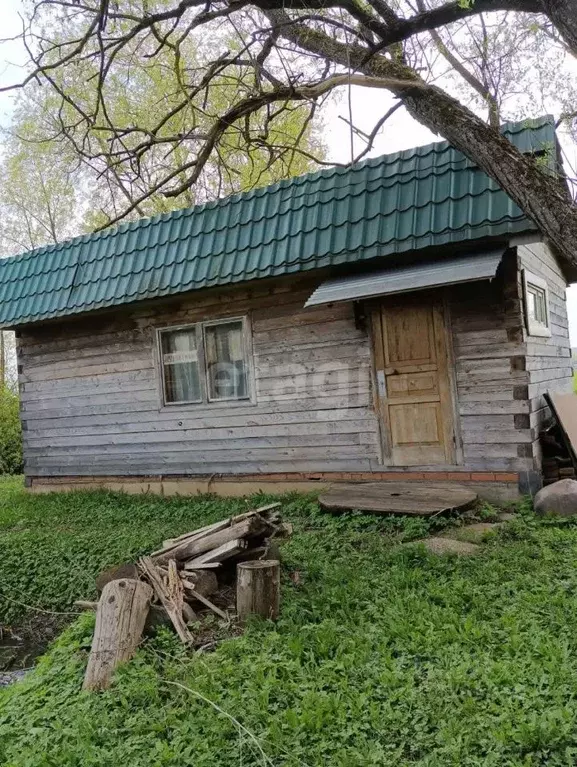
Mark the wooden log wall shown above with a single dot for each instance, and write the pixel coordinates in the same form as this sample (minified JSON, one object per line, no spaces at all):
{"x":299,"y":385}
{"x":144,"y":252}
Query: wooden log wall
{"x":491,"y":378}
{"x":91,"y":401}
{"x":549,"y":363}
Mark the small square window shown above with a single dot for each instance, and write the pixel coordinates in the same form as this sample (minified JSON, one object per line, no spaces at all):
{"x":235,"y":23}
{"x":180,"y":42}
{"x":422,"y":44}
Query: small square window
{"x":536,"y":305}
{"x":206,"y":362}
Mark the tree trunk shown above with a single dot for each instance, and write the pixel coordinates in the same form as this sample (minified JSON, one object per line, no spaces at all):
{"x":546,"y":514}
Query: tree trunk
{"x":563,"y":14}
{"x":258,"y":589}
{"x":120,"y":620}
{"x":541,"y":195}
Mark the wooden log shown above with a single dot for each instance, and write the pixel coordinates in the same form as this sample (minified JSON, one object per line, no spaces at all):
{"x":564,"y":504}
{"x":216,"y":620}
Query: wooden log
{"x":226,"y":551}
{"x":204,"y":581}
{"x":156,"y":615}
{"x":172,"y":543}
{"x":188,"y":614}
{"x":194,"y":594}
{"x":120,"y":619}
{"x":253,"y":526}
{"x":162,"y":592}
{"x":127,"y":570}
{"x":83,"y":604}
{"x":258,"y":589}
{"x":260,"y":552}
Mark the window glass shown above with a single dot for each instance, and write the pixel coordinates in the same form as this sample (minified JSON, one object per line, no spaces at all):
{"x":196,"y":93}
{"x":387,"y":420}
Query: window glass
{"x":537,"y":304}
{"x":180,"y":365}
{"x":226,"y":367}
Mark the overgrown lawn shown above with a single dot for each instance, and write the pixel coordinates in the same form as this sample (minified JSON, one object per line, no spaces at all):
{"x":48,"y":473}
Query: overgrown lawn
{"x":383,"y":655}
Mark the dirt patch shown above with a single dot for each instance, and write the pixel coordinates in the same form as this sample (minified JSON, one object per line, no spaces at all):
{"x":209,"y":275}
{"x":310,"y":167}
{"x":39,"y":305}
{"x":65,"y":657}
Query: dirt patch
{"x":21,"y":644}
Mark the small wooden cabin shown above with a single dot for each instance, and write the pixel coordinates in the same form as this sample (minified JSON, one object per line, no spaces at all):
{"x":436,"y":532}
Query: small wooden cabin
{"x":399,"y":318}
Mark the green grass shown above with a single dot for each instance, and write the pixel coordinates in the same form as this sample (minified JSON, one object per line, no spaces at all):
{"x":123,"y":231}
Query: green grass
{"x":575,"y":381}
{"x":383,"y":655}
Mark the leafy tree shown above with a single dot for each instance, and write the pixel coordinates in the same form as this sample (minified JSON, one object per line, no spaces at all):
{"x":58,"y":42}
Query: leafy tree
{"x":56,"y":179}
{"x":38,"y":197}
{"x":10,"y":432}
{"x":270,"y":57}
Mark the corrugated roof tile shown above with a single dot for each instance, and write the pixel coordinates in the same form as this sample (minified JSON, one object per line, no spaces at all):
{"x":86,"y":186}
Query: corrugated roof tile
{"x":423,"y":197}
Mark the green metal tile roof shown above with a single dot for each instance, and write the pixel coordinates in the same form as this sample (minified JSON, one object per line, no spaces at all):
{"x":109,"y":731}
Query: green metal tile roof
{"x":424,"y":197}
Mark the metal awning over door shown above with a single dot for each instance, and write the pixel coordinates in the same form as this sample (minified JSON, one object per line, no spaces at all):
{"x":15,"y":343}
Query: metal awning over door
{"x":449,"y":271}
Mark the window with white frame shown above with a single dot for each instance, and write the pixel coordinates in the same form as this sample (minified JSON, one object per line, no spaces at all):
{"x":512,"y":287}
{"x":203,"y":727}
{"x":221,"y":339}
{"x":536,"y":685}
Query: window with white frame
{"x":536,"y":305}
{"x":205,"y":362}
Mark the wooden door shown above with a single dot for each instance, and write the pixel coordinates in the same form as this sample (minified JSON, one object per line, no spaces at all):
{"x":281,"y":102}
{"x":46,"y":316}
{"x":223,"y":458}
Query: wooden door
{"x":413,"y":387}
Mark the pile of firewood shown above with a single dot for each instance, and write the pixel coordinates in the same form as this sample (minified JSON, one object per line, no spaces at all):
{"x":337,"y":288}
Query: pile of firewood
{"x":557,"y":463}
{"x":173,"y":584}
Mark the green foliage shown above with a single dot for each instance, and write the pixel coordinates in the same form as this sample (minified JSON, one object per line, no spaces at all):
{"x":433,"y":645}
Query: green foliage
{"x":49,"y":192}
{"x":10,"y":433}
{"x":383,"y":655}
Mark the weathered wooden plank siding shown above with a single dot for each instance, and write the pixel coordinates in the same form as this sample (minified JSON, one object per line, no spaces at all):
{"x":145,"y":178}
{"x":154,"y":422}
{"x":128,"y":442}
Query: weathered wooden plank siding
{"x":548,"y":359}
{"x":91,"y":403}
{"x":490,"y":372}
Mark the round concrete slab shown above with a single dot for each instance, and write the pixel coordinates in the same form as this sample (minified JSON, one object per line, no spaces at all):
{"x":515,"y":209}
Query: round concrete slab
{"x":421,"y":499}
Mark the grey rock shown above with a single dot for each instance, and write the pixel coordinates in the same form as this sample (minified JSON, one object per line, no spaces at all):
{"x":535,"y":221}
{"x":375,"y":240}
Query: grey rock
{"x":8,"y":677}
{"x":441,"y":546}
{"x":557,"y":500}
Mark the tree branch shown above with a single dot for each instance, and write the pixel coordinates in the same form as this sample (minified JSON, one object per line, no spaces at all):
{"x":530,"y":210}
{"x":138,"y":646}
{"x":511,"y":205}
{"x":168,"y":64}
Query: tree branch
{"x":541,"y":195}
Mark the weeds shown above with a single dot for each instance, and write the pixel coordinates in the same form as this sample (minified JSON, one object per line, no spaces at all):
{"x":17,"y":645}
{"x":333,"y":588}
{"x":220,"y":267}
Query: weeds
{"x":383,"y":655}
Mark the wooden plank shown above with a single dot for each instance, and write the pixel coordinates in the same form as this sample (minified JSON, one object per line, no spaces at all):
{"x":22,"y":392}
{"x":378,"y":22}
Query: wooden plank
{"x":220,"y":554}
{"x":81,"y":412}
{"x":410,"y":498}
{"x":191,"y":591}
{"x":513,"y":407}
{"x":141,"y":421}
{"x":165,"y":461}
{"x":286,"y":446}
{"x":319,"y":429}
{"x":170,"y":604}
{"x":489,"y":436}
{"x":99,"y":466}
{"x":564,"y":408}
{"x":216,"y":527}
{"x":497,"y":450}
{"x":249,"y":528}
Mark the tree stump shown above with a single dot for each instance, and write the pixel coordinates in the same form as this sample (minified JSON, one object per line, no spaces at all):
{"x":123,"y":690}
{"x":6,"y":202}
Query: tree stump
{"x":120,"y":619}
{"x":258,"y":589}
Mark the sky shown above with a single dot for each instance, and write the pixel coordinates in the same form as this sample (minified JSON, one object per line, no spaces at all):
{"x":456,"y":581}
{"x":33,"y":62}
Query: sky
{"x":368,"y":105}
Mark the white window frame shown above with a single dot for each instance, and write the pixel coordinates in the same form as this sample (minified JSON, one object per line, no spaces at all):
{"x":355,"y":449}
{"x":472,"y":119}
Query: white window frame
{"x":199,"y":328}
{"x":534,"y":327}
